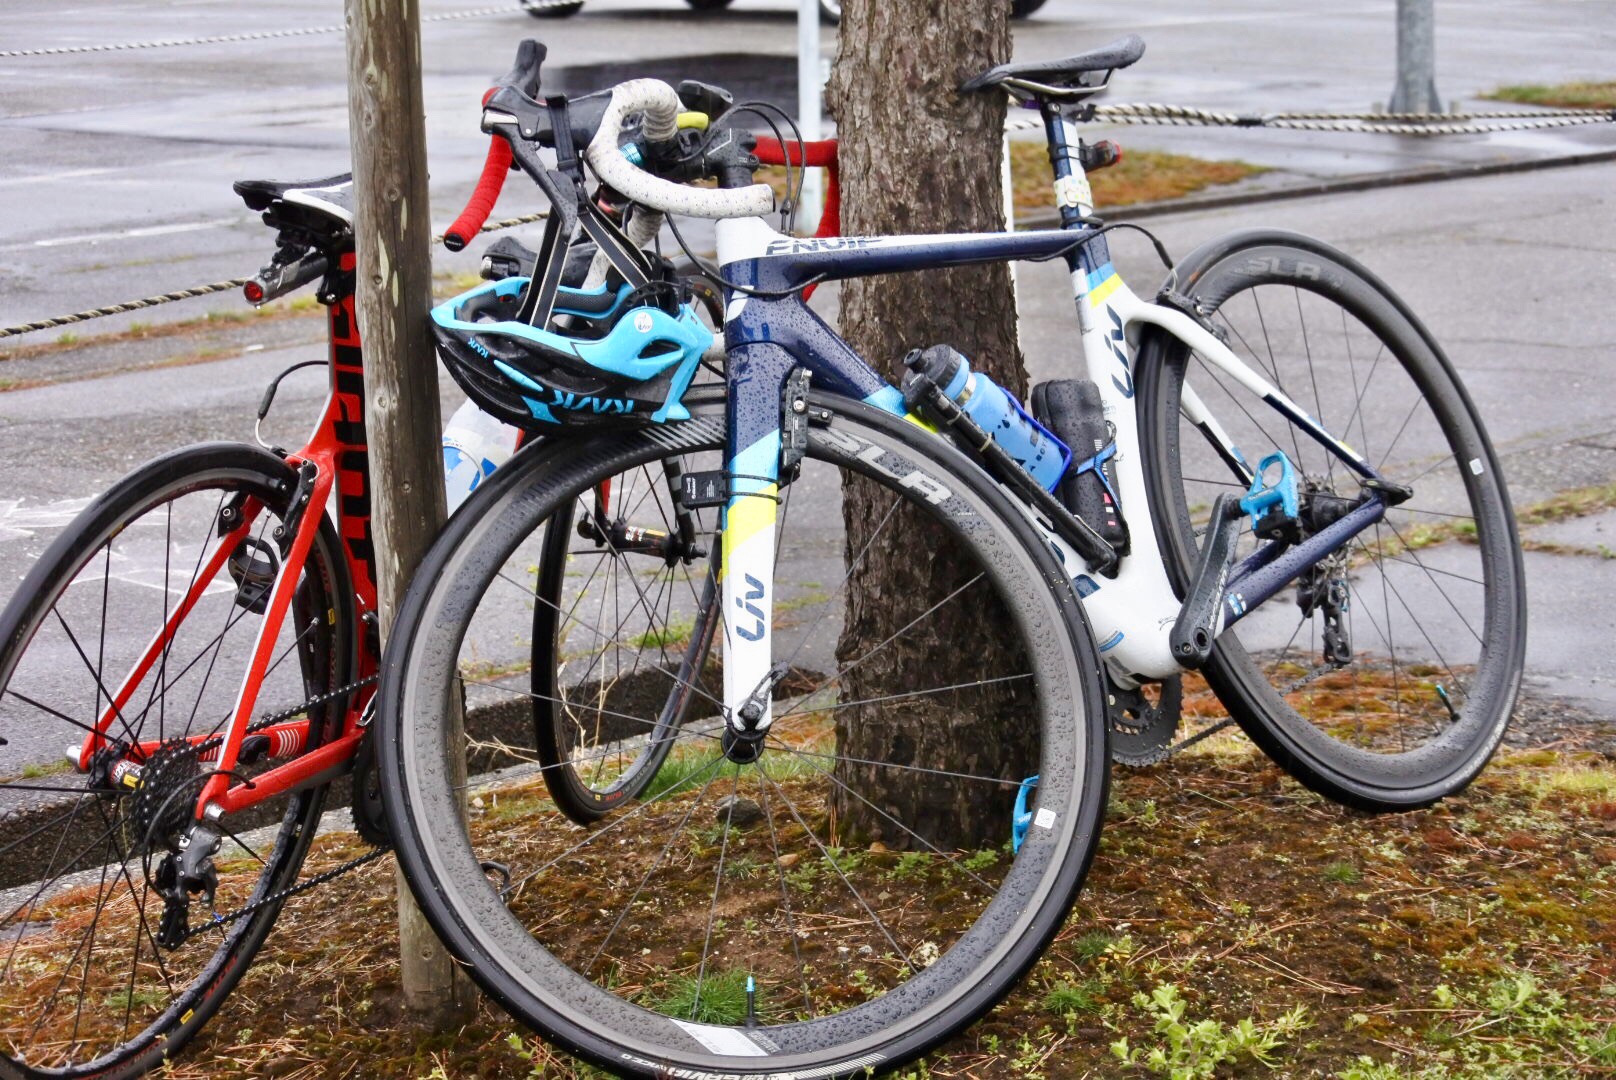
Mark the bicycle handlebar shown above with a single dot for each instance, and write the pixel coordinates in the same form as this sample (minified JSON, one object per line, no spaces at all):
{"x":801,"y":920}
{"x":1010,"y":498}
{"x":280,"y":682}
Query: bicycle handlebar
{"x":659,"y":104}
{"x":481,"y":203}
{"x":524,"y":78}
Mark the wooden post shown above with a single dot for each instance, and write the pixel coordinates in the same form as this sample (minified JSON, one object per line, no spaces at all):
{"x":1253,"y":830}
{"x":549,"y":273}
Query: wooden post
{"x":393,"y":294}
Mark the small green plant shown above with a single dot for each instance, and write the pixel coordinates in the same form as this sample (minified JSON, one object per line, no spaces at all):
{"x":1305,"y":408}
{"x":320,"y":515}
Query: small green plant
{"x":720,"y":998}
{"x":1093,"y":945}
{"x":1064,"y":998}
{"x":1193,"y":1050}
{"x":742,"y":868}
{"x":911,"y":864}
{"x":1343,"y":873}
{"x":977,"y":861}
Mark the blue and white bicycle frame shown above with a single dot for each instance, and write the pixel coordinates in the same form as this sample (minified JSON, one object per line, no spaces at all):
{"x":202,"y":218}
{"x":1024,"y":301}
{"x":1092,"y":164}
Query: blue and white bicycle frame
{"x":1132,"y":613}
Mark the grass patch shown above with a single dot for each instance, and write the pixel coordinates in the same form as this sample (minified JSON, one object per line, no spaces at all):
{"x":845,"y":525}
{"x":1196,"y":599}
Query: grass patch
{"x":1141,"y":176}
{"x":1571,"y":95}
{"x":1470,"y":940}
{"x":719,"y":998}
{"x":1342,"y":873}
{"x":675,"y":632}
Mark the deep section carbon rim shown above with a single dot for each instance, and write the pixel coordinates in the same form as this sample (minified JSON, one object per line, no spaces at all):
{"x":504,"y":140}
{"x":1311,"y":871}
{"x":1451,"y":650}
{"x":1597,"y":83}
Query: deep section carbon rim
{"x":786,"y":916}
{"x":1386,"y":676}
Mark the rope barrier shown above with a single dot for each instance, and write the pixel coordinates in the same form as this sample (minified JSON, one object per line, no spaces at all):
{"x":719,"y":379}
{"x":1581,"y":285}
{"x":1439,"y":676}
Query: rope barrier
{"x":203,"y":290}
{"x":1148,"y":113}
{"x":268,"y":35}
{"x":126,"y":306}
{"x":1420,"y":124}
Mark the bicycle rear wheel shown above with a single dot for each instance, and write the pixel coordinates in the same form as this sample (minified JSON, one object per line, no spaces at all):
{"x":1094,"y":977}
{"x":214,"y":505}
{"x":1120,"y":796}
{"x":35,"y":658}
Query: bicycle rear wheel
{"x":786,"y":917}
{"x":85,"y":987}
{"x":1427,"y":620}
{"x":581,"y":690}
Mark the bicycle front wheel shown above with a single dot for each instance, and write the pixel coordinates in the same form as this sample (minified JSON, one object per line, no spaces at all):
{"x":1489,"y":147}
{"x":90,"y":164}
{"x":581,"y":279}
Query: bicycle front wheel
{"x":93,"y":979}
{"x":1385,"y":679}
{"x":803,"y":915}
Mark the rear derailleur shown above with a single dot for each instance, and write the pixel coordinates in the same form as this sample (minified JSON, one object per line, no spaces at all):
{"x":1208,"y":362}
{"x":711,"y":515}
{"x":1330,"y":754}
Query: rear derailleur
{"x":185,"y":873}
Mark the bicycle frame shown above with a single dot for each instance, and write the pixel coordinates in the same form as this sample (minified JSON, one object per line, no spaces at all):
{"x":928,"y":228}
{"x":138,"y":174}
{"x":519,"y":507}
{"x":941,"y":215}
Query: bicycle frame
{"x":768,"y":335}
{"x":334,"y":463}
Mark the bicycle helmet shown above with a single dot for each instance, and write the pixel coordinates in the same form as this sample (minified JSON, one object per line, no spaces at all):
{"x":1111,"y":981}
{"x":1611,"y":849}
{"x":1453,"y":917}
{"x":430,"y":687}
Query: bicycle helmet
{"x":625,"y":356}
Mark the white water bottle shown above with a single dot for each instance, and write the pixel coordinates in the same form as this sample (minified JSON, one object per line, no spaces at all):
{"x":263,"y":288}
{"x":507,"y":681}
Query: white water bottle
{"x":474,"y":445}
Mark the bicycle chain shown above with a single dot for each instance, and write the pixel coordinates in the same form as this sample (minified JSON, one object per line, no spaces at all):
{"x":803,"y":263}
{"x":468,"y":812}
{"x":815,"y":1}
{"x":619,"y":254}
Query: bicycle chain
{"x":285,"y":894}
{"x":225,"y":919}
{"x":1309,"y":677}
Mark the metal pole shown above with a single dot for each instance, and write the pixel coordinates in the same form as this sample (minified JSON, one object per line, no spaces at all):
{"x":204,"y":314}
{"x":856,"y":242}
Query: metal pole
{"x":1415,"y":91}
{"x":393,"y":291}
{"x":810,"y":81}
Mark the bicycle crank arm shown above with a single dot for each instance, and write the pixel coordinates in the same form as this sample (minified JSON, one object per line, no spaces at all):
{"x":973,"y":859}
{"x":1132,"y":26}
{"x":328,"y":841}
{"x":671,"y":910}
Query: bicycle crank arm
{"x":1201,"y":619}
{"x":1270,"y":569}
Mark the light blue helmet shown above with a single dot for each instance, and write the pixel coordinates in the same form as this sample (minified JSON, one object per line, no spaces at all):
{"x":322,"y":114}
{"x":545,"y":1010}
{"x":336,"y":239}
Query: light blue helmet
{"x":621,"y":357}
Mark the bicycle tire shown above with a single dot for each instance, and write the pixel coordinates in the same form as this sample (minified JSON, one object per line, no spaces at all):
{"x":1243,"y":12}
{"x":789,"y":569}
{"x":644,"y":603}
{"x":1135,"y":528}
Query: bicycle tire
{"x":553,"y":10}
{"x":948,"y":988}
{"x":561,"y":737}
{"x":554,"y":733}
{"x":37,"y":931}
{"x":1454,"y":541}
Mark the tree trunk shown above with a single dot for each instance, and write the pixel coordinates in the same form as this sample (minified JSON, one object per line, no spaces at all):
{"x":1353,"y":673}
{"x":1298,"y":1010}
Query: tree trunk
{"x":393,"y":292}
{"x":918,"y":157}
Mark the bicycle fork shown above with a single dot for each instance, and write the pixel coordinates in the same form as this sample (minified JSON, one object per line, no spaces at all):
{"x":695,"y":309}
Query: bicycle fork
{"x":758,"y":379}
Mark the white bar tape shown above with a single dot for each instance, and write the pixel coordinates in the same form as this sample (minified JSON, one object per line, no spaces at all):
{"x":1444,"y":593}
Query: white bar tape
{"x":660,"y":105}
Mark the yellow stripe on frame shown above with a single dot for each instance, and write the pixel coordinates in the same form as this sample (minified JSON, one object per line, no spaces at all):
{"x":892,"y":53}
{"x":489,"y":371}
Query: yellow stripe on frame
{"x":749,"y":515}
{"x":1104,"y":289}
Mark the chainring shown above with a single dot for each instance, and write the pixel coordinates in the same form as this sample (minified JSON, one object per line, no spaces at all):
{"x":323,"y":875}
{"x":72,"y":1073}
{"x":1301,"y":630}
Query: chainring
{"x":1142,"y":730}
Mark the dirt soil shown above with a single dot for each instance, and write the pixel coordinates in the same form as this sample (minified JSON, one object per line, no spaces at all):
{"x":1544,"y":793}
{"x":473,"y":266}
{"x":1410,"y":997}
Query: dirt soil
{"x":1473,"y":939}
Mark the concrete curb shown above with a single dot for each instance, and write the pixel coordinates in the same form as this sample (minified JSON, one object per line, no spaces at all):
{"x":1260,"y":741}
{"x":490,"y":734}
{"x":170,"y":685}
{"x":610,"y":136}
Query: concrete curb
{"x":1048,"y":218}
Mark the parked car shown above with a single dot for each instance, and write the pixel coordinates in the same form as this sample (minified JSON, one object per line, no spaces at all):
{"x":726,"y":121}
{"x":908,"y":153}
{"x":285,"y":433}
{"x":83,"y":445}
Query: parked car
{"x":830,"y":11}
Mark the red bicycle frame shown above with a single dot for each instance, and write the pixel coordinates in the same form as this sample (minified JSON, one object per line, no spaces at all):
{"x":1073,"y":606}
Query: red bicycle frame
{"x":336,"y":459}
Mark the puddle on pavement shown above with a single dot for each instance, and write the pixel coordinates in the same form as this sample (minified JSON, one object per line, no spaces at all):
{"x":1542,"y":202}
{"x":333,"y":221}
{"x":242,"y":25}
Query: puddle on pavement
{"x":749,"y":76}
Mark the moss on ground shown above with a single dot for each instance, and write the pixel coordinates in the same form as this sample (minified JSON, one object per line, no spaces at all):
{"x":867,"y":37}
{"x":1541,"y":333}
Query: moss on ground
{"x":1571,"y":95}
{"x":1474,"y":939}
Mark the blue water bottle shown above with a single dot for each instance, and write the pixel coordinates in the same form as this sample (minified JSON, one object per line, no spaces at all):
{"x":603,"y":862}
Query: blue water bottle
{"x":996,"y":411}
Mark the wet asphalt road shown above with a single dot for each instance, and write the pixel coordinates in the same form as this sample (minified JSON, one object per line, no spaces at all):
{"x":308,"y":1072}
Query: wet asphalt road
{"x":116,"y":178}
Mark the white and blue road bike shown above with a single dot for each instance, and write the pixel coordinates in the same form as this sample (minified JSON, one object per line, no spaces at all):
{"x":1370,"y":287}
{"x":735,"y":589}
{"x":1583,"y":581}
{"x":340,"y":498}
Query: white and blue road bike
{"x":681,"y":860}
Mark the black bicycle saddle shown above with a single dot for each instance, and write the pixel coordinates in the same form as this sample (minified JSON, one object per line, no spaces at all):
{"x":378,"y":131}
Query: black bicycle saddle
{"x":1061,"y":78}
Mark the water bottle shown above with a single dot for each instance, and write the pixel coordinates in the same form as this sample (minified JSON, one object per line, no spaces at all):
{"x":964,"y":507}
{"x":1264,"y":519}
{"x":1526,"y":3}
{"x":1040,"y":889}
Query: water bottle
{"x":996,"y":411}
{"x":474,"y":445}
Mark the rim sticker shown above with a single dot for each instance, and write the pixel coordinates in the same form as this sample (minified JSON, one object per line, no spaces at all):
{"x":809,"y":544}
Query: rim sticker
{"x":722,"y":1040}
{"x":1045,"y":818}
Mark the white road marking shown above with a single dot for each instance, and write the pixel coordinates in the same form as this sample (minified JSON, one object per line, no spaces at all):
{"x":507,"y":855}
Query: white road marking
{"x":124,"y":234}
{"x":19,"y":523}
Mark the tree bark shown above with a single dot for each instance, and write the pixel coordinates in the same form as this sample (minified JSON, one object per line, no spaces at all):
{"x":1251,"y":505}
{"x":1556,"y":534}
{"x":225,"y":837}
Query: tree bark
{"x":918,"y":157}
{"x":393,"y":293}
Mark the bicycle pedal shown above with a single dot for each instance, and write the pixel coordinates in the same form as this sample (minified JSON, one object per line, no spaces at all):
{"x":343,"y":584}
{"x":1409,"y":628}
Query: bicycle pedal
{"x":1274,"y":507}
